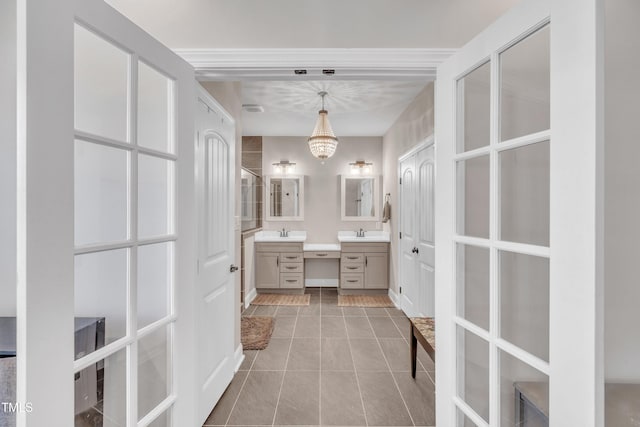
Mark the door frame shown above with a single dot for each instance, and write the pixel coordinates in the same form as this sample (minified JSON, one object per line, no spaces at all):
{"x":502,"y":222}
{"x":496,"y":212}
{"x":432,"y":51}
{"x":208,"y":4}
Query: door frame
{"x":422,"y":145}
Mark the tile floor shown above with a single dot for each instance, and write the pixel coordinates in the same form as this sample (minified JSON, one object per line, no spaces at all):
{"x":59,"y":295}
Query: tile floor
{"x":331,"y":366}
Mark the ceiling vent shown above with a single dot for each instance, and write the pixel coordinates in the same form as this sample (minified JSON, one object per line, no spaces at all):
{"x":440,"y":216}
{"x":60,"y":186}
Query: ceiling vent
{"x":253,"y":108}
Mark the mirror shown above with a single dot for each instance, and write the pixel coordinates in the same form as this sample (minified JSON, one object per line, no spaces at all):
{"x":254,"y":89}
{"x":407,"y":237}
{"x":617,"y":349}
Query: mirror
{"x":359,"y":198}
{"x":285,"y":198}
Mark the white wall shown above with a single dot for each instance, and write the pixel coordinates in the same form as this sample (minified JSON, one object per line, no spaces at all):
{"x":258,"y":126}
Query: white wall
{"x":322,"y":217}
{"x":622,"y":191}
{"x":228,"y":94}
{"x":295,"y":23}
{"x":8,"y":158}
{"x":413,"y":126}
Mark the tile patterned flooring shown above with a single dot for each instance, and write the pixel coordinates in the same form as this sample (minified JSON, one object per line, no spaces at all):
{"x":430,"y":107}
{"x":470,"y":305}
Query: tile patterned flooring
{"x":330,"y":366}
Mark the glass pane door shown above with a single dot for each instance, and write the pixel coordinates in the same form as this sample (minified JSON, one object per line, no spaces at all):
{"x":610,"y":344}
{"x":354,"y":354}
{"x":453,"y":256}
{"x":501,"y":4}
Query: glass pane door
{"x":502,"y":239}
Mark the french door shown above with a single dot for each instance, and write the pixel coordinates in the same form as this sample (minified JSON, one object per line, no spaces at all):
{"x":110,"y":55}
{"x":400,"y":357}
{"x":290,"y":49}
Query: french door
{"x":106,"y":224}
{"x":517,"y":223}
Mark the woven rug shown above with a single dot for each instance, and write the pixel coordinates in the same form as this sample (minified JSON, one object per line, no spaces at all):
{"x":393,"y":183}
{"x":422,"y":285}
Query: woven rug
{"x":375,"y":301}
{"x":278,"y":299}
{"x":255,"y":332}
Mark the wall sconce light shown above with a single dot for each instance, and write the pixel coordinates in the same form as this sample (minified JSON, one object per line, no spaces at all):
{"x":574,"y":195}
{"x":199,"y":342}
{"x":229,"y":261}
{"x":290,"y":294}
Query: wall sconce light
{"x":360,"y":167}
{"x":284,"y":167}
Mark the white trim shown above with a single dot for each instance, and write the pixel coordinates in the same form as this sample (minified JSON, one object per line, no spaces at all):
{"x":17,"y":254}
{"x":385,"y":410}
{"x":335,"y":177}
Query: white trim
{"x":275,"y":63}
{"x":250,"y":297}
{"x":238,"y":358}
{"x":267,"y":198}
{"x":395,"y":298}
{"x":427,"y":142}
{"x":321,"y":283}
{"x":376,"y":198}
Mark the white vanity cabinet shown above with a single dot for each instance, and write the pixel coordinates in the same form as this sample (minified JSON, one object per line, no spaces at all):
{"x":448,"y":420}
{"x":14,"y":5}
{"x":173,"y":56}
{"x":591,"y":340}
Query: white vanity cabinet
{"x":364,"y":266}
{"x":279,"y":265}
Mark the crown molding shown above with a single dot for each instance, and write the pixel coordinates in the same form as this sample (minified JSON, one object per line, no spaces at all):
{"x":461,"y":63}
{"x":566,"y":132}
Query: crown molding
{"x":276,"y":64}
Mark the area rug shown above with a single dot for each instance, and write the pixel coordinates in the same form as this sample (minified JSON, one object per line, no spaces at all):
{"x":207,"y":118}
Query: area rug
{"x":374,"y":301}
{"x":278,"y":299}
{"x":255,"y":332}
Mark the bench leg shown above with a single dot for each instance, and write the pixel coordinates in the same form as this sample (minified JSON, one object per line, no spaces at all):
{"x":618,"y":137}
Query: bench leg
{"x":414,"y":352}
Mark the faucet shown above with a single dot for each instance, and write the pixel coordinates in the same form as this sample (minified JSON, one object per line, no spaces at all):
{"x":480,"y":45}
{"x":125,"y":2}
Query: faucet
{"x":360,"y":233}
{"x":284,"y":232}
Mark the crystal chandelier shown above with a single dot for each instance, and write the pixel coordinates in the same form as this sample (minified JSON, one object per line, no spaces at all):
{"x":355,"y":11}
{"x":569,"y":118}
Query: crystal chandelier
{"x":323,"y":141}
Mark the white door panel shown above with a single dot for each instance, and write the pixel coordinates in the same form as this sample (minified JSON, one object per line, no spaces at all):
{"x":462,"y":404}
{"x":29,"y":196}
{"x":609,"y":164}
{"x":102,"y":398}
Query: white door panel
{"x":214,"y":148}
{"x":425,"y":242}
{"x":409,"y":291}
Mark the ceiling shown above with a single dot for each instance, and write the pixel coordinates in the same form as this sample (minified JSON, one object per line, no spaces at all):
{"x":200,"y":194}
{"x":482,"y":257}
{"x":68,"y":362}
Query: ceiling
{"x":357,"y":107}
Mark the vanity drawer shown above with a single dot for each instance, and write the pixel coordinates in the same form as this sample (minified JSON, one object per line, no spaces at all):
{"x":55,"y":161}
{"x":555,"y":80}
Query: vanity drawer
{"x":349,"y":267}
{"x":279,"y":247}
{"x":352,"y":281}
{"x":352,"y":258}
{"x":291,"y":280}
{"x":291,"y":257}
{"x":322,"y":254}
{"x":291,"y":267}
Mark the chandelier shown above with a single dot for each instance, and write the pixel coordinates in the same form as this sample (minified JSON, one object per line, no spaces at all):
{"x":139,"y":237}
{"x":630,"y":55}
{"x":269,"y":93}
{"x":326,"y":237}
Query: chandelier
{"x":323,"y":141}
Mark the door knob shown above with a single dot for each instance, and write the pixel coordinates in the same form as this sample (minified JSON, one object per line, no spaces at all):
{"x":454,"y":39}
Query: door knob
{"x":415,"y":250}
{"x":233,"y":268}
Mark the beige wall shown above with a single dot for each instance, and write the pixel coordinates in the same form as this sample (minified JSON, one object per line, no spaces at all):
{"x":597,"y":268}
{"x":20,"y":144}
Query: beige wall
{"x":229,"y":95}
{"x":7,"y":158}
{"x":622,"y":191}
{"x":322,"y":217}
{"x":413,"y":126}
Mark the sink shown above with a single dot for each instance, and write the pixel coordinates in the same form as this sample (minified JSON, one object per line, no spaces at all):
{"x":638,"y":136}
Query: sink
{"x":369,"y":236}
{"x":274,"y":236}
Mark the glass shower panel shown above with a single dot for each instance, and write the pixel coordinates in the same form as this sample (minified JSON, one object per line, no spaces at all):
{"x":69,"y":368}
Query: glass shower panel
{"x":524,"y":302}
{"x":473,"y":371}
{"x":155,"y":107}
{"x":524,"y":194}
{"x":473,"y":197}
{"x":101,"y":393}
{"x":474,"y":97}
{"x":101,"y":79}
{"x":473,"y":284}
{"x":525,"y":86}
{"x":101,"y":187}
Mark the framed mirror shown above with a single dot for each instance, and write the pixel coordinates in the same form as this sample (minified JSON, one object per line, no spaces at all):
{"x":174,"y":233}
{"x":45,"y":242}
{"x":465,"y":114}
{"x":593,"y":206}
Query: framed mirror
{"x":285,"y":198}
{"x":360,"y":198}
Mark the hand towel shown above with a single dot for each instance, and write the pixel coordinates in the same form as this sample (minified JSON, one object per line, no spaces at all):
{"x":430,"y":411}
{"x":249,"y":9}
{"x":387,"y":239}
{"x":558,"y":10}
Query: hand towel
{"x":386,"y":212}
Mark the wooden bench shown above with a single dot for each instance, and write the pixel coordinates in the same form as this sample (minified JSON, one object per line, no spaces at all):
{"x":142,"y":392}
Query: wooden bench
{"x":423,"y":332}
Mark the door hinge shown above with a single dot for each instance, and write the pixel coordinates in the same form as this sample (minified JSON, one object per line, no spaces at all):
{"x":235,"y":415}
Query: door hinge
{"x":400,"y":234}
{"x":400,"y":289}
{"x":400,"y":181}
{"x":198,"y":267}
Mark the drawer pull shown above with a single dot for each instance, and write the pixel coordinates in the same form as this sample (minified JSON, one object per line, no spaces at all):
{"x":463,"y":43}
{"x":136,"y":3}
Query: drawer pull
{"x":291,"y":281}
{"x":291,"y":257}
{"x":352,"y":268}
{"x":321,"y":254}
{"x":352,"y":281}
{"x":292,"y":268}
{"x":352,"y":257}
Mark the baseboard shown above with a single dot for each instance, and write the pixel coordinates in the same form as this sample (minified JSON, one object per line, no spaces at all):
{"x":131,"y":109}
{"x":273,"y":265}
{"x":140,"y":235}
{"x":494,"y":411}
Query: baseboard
{"x":238,"y":357}
{"x":321,"y":283}
{"x":395,"y":298}
{"x":250,"y":297}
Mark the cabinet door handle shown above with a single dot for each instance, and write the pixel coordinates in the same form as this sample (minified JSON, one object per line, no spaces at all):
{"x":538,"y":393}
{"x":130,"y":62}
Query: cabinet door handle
{"x":277,"y":261}
{"x":366,"y":261}
{"x":321,"y":254}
